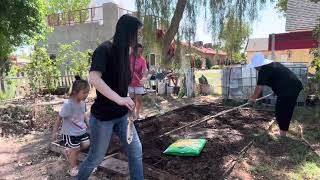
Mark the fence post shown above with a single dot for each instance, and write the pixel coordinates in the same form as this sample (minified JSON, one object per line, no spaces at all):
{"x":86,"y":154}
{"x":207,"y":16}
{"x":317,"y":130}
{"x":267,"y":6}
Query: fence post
{"x":69,"y":77}
{"x":2,"y":88}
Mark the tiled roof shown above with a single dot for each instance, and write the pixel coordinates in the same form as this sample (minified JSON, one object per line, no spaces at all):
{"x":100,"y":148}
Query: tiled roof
{"x":257,"y":44}
{"x":302,"y":15}
{"x":209,"y":51}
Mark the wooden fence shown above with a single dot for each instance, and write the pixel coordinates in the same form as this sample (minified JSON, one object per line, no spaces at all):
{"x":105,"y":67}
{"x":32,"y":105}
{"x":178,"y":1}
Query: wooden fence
{"x":15,"y":87}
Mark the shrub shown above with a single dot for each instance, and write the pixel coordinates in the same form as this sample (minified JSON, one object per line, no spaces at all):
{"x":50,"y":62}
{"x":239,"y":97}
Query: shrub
{"x":198,"y":63}
{"x":208,"y":63}
{"x":203,"y":80}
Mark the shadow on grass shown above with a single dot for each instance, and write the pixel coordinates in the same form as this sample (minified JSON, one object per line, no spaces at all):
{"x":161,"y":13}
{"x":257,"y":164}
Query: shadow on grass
{"x":285,"y":157}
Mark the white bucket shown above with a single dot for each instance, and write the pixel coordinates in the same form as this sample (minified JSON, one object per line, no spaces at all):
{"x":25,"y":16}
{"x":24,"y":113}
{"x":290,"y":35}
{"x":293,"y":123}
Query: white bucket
{"x":161,"y":88}
{"x":169,"y":90}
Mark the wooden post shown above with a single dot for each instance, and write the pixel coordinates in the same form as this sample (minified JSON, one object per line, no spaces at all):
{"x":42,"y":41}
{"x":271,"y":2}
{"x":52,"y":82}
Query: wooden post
{"x":190,"y":83}
{"x":273,"y":46}
{"x":61,"y":80}
{"x":71,"y":79}
{"x":2,"y":84}
{"x":5,"y":86}
{"x":66,"y":78}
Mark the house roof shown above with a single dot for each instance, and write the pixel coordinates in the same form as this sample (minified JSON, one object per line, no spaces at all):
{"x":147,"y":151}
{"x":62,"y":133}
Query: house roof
{"x":209,"y":51}
{"x":302,"y":15}
{"x":257,"y":44}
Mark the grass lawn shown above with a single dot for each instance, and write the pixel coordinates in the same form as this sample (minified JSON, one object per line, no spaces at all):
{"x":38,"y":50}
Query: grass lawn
{"x":213,"y":77}
{"x":288,"y":158}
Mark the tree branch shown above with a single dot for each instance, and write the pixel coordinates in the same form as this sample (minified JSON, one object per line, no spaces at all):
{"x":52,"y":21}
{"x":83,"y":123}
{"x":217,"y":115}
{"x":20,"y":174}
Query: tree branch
{"x":173,"y":28}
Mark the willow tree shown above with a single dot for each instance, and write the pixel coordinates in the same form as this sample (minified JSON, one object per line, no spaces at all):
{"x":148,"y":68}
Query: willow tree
{"x":183,"y":15}
{"x":234,"y":35}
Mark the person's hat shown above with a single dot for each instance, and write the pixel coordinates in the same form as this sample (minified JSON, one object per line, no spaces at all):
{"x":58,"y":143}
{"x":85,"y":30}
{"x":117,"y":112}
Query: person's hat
{"x":258,"y":60}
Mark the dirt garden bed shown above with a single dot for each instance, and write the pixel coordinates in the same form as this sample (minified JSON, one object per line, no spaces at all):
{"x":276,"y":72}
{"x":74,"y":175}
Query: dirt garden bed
{"x":226,"y":136}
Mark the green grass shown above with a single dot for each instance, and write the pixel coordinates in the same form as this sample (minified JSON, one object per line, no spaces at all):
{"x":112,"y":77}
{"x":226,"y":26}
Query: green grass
{"x":213,"y":77}
{"x":309,"y":119}
{"x":299,"y":153}
{"x":298,"y":160}
{"x":263,"y":170}
{"x":308,"y":170}
{"x":10,"y":91}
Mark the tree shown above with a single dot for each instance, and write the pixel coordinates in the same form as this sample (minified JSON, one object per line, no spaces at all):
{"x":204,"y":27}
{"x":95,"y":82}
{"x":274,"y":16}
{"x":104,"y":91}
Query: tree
{"x":22,"y":21}
{"x":72,"y":10}
{"x":316,"y":31}
{"x":42,"y":71}
{"x":186,"y":12}
{"x":234,"y":34}
{"x":73,"y":60}
{"x":58,"y":6}
{"x":282,"y":5}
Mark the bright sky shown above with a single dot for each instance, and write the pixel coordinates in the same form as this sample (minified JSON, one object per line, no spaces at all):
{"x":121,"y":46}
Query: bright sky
{"x":270,"y":21}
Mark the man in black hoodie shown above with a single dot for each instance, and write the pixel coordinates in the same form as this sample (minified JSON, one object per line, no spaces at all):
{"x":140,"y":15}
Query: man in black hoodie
{"x":284,"y":84}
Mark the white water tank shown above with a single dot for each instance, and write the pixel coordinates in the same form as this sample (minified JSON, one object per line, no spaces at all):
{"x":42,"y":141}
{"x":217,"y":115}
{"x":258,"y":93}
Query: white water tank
{"x":95,"y":3}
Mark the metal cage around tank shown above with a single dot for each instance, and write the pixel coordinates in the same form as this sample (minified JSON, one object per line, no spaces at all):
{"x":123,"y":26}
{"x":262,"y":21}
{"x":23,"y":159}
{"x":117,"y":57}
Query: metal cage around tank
{"x":239,"y":82}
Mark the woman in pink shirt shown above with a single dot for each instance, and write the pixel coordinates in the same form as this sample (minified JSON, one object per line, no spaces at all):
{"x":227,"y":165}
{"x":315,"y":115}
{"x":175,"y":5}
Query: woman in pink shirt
{"x":139,"y":72}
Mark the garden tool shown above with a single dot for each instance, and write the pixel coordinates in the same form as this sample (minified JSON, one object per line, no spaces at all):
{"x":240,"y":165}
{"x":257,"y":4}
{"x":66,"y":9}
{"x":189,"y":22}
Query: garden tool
{"x":209,"y":117}
{"x":130,"y":127}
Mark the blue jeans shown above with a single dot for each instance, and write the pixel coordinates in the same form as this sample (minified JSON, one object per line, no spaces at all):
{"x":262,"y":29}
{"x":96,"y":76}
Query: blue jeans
{"x":101,"y":132}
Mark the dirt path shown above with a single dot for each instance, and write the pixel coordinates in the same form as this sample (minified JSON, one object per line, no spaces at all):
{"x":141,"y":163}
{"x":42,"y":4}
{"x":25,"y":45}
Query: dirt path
{"x":29,"y":158}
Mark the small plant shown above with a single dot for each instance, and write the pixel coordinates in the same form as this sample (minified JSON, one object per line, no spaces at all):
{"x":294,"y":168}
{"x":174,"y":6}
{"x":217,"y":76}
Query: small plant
{"x":316,"y":64}
{"x":203,"y":80}
{"x":198,"y":63}
{"x":42,"y":71}
{"x":215,"y":67}
{"x":208,"y":63}
{"x":73,"y":60}
{"x":204,"y":85}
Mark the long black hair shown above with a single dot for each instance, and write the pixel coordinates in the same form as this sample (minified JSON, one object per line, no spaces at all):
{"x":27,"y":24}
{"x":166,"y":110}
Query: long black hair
{"x":126,"y":35}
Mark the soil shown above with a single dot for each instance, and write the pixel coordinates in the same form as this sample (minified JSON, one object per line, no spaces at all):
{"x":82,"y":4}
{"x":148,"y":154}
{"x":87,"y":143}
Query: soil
{"x":17,"y":121}
{"x":28,"y":157}
{"x":226,"y":136}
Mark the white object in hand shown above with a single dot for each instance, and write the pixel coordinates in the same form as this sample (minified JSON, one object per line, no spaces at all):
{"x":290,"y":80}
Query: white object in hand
{"x":129,"y":130}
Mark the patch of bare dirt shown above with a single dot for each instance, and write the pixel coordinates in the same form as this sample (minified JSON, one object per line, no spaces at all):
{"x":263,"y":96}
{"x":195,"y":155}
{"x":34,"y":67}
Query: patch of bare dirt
{"x":18,"y":121}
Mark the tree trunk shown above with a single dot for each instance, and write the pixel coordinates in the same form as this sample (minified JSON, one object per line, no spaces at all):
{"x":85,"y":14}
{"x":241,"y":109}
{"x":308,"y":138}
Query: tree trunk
{"x":173,"y":28}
